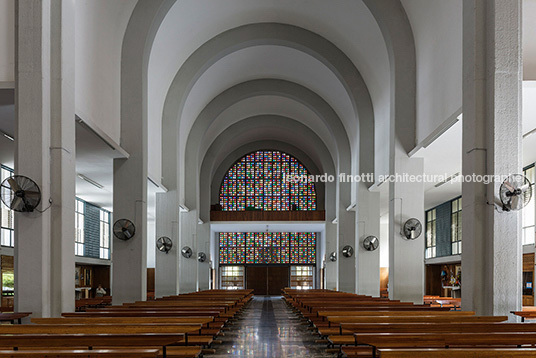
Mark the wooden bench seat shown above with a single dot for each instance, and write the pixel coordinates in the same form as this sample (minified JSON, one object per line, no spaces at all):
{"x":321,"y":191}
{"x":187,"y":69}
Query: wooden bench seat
{"x":182,"y":352}
{"x":429,"y":327}
{"x":142,"y":314}
{"x":81,"y":353}
{"x":171,"y":351}
{"x":342,"y":340}
{"x":458,"y":353}
{"x":90,"y":340}
{"x":331,"y":331}
{"x":443,"y":340}
{"x":408,"y":319}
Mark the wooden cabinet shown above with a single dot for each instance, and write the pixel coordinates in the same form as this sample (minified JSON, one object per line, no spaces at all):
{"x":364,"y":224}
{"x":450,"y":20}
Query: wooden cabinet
{"x":89,"y":277}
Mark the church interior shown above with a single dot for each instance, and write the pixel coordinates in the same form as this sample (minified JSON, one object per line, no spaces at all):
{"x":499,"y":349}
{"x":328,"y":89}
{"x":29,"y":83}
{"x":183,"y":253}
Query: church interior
{"x":253,"y":178}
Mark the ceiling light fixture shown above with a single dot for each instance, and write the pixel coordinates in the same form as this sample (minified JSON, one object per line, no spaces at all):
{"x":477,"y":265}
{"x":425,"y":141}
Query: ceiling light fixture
{"x":8,"y":136}
{"x":90,"y":181}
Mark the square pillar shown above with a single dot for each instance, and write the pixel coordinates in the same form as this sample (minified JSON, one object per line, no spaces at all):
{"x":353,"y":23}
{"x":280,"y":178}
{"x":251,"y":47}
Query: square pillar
{"x":45,"y":152}
{"x":167,"y":264}
{"x":368,"y":223}
{"x":406,"y":257}
{"x":492,"y":138}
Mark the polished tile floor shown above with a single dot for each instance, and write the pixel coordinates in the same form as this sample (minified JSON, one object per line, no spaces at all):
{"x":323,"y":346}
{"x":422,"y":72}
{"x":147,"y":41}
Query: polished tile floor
{"x":268,"y":328}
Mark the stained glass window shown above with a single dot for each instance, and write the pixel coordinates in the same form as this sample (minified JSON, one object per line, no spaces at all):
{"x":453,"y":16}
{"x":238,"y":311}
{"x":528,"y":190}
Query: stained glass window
{"x":258,"y":181}
{"x":267,"y":248}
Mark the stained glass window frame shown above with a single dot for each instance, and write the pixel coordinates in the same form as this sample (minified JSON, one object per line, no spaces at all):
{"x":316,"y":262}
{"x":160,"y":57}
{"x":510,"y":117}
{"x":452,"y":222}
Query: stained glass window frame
{"x":273,"y":248}
{"x":256,"y":182}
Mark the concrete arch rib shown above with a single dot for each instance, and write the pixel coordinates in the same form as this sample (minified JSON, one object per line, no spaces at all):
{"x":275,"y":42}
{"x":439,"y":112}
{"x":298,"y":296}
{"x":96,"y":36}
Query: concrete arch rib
{"x":263,"y":87}
{"x":130,"y":175}
{"x":396,"y":29}
{"x":265,"y":34}
{"x":222,"y":154}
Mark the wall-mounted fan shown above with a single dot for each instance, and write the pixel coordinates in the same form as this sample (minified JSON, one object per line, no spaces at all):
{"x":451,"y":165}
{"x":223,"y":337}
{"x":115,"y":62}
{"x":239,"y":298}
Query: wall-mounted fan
{"x":412,"y":229}
{"x":20,"y":193}
{"x":371,"y":243}
{"x":333,"y":256}
{"x":515,"y":192}
{"x":201,"y":257}
{"x":348,"y":251}
{"x":164,"y":244}
{"x":124,"y":229}
{"x":186,"y":252}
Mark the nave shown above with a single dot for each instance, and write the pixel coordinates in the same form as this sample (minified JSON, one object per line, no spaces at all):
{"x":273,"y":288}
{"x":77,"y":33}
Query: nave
{"x":269,"y":328}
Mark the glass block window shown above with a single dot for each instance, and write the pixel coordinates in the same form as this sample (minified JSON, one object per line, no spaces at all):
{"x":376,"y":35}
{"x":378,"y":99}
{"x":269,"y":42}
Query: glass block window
{"x":104,"y":234}
{"x":259,"y":181}
{"x":529,"y":210}
{"x":430,"y":234}
{"x":267,"y":248}
{"x":232,"y":277}
{"x":301,"y":277}
{"x":79,"y":227}
{"x":456,"y":226}
{"x":7,"y":225}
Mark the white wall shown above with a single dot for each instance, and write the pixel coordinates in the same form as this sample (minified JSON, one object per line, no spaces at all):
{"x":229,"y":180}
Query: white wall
{"x":7,"y":40}
{"x":100,"y":26}
{"x":437,"y":28}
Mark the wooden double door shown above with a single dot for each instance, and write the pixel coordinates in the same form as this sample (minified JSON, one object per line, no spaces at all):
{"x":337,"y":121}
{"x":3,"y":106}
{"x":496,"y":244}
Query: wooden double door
{"x":267,"y":280}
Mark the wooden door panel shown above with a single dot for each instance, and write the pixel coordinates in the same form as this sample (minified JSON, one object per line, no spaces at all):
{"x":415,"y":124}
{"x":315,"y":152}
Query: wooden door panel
{"x":256,"y":277}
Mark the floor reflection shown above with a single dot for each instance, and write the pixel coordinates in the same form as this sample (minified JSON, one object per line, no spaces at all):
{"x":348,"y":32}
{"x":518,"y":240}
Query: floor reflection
{"x":268,"y":328}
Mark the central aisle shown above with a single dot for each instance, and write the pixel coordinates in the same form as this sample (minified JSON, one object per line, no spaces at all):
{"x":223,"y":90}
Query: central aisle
{"x":268,"y":328}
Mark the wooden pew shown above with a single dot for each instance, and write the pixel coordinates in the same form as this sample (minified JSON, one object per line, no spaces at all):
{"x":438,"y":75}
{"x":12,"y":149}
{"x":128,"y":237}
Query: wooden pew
{"x":13,"y":317}
{"x":144,"y":314}
{"x":443,"y":340}
{"x":82,"y":353}
{"x":91,"y":341}
{"x":194,"y":339}
{"x":343,"y":338}
{"x":524,"y":314}
{"x":206,"y":322}
{"x":458,"y":353}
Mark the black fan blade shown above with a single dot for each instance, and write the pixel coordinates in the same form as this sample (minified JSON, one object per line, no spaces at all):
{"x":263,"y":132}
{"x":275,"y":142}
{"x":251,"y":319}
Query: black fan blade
{"x":127,"y":233}
{"x":13,"y":183}
{"x":509,"y":186}
{"x":514,"y":203}
{"x":16,"y":204}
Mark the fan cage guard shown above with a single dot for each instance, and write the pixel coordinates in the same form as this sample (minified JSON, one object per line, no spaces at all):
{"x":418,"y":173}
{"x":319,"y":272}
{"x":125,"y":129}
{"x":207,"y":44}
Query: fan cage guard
{"x":122,"y":226}
{"x":511,"y":189}
{"x":164,"y":244}
{"x":411,"y":225}
{"x":20,"y":193}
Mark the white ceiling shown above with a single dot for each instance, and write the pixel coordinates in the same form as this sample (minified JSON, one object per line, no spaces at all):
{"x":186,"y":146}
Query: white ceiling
{"x":275,"y":62}
{"x":349,"y":25}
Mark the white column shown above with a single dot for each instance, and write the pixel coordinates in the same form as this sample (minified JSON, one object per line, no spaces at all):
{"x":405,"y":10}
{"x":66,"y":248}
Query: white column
{"x":188,"y":237}
{"x":492,"y":251}
{"x":167,"y":224}
{"x":203,"y":245}
{"x":332,"y":245}
{"x":129,"y":277}
{"x":406,"y":257}
{"x":347,"y":236}
{"x":45,"y":152}
{"x":368,"y":223}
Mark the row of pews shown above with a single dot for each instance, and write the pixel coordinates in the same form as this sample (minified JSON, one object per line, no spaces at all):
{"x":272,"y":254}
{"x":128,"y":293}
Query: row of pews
{"x":364,"y":326}
{"x":182,"y":326}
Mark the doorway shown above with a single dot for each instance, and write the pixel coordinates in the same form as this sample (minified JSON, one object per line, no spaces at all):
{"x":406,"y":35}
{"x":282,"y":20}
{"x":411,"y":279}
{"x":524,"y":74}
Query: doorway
{"x":267,"y":280}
